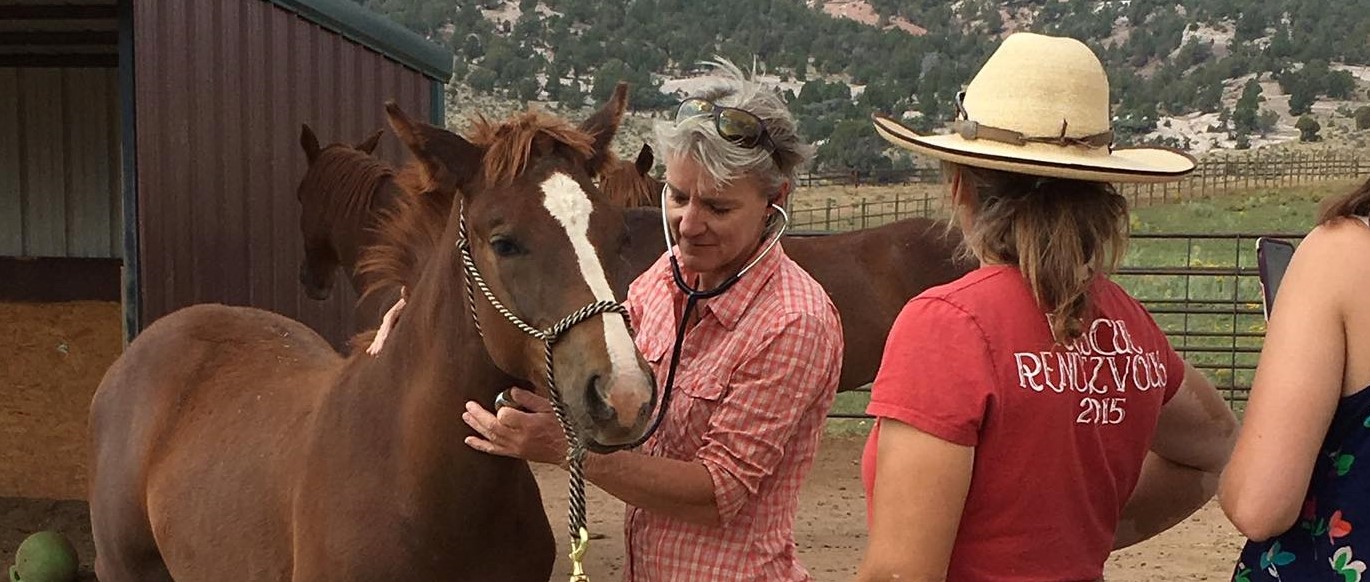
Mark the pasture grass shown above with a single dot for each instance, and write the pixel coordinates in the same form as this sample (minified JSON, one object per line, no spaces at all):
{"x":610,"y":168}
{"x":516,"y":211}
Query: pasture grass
{"x":1222,"y":329}
{"x":1225,"y":336}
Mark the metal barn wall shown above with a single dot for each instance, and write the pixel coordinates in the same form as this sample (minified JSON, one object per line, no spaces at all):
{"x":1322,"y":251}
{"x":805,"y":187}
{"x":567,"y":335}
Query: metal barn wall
{"x":222,"y":87}
{"x":59,"y":163}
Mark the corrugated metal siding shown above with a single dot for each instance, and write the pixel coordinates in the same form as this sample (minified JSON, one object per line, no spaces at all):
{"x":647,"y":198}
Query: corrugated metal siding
{"x":59,"y":163}
{"x":222,"y":88}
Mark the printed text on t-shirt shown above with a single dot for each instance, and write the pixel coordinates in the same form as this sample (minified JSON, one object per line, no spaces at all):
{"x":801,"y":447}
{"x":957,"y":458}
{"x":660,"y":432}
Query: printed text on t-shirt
{"x":1104,"y":361}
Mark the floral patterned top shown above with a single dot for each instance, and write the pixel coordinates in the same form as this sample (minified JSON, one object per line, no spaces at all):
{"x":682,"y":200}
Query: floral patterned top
{"x":1331,"y":539}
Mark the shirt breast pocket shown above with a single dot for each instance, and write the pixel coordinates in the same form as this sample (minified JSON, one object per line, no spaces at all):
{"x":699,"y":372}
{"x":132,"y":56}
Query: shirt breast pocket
{"x":695,"y":400}
{"x":696,"y":395}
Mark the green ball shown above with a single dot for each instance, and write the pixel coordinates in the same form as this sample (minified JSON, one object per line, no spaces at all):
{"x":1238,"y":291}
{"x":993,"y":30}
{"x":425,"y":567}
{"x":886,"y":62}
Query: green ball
{"x":46,"y":556}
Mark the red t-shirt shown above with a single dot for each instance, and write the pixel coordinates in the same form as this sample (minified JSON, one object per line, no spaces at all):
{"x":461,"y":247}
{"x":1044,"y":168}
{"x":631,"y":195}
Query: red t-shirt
{"x":1059,"y":434}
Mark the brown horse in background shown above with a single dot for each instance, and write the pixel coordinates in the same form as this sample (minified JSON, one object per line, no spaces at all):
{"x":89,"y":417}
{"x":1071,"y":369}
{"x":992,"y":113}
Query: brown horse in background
{"x":343,"y":193}
{"x":230,"y":443}
{"x":630,"y":184}
{"x":343,"y":196}
{"x":869,"y":275}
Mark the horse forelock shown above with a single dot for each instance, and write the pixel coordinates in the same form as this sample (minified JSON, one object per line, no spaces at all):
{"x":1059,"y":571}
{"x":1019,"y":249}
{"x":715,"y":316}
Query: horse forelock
{"x":509,"y":145}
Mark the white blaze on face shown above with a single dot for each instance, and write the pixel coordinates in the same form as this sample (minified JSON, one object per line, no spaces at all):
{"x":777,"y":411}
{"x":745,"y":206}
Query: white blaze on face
{"x":570,"y":206}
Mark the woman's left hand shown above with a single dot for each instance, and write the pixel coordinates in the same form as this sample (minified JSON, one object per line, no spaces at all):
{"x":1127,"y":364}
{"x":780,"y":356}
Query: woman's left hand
{"x":532,"y":436}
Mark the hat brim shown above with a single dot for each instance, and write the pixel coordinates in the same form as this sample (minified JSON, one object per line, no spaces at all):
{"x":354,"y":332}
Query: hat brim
{"x":1139,"y":164}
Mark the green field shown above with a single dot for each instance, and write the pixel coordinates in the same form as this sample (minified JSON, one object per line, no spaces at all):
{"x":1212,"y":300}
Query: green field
{"x":1289,"y":210}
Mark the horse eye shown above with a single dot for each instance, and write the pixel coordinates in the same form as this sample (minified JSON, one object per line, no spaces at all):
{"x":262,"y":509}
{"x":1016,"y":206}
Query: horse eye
{"x":505,"y":247}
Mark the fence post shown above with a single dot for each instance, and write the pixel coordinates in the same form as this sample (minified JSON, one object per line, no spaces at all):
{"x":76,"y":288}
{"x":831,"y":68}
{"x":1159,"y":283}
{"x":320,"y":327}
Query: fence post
{"x":1203,"y":180}
{"x":827,"y":217}
{"x":865,"y":205}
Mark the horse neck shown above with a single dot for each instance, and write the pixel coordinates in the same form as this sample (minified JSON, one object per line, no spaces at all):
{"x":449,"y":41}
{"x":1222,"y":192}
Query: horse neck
{"x":412,"y":395}
{"x":440,"y":353}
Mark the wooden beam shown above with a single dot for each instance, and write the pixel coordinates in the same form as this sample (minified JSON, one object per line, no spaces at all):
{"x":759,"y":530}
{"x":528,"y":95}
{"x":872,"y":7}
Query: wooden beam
{"x":58,"y":12}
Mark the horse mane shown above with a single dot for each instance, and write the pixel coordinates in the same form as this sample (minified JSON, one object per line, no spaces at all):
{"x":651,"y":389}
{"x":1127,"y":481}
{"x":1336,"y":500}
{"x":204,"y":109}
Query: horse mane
{"x":407,"y":235}
{"x":406,"y":232}
{"x":348,"y":178}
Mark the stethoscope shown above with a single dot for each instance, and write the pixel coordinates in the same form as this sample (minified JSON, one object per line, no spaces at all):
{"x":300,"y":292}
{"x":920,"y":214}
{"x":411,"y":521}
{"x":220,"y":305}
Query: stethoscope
{"x":692,"y":297}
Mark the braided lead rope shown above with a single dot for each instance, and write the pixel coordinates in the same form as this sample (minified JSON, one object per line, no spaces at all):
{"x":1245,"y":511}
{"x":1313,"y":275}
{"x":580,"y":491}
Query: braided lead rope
{"x":575,"y":455}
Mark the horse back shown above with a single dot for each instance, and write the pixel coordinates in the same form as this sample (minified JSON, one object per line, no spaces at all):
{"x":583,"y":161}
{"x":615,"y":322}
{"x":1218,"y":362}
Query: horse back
{"x":195,"y":429}
{"x":870,"y":274}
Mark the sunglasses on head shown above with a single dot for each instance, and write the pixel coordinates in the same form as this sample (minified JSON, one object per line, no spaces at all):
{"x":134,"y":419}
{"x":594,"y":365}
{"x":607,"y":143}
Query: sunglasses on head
{"x":738,"y":126}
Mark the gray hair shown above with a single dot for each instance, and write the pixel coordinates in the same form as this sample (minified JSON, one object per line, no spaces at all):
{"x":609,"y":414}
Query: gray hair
{"x":724,"y":160}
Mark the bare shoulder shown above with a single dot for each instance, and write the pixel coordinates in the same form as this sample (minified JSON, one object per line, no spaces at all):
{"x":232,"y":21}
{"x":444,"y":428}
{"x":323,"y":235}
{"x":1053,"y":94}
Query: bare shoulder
{"x":1338,"y":237}
{"x":1339,"y":249}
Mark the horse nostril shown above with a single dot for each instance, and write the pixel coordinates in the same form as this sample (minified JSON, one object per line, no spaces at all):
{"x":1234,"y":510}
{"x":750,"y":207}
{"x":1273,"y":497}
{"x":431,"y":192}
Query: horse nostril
{"x":600,"y":410}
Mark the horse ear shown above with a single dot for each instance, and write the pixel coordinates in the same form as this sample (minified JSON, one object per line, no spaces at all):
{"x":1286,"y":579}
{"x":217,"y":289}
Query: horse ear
{"x":309,"y":142}
{"x":369,"y":144}
{"x":644,"y":160}
{"x":603,"y":125}
{"x":448,"y":160}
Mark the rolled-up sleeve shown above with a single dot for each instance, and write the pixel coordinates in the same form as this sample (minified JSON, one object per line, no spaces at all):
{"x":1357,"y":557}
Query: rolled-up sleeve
{"x":768,"y":397}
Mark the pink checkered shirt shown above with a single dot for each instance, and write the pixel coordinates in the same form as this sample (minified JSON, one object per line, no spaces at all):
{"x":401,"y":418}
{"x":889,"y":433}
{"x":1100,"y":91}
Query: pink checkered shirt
{"x":756,"y":378}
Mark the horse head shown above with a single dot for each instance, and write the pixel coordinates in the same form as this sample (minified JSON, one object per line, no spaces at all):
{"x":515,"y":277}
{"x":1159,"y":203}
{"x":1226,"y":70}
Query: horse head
{"x":323,"y":182}
{"x":539,"y":233}
{"x":630,"y":184}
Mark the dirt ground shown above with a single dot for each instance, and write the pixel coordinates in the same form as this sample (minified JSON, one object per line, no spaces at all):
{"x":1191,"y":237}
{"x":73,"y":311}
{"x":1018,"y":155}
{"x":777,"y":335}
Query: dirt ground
{"x":831,"y":526}
{"x":830,"y":531}
{"x":55,"y":355}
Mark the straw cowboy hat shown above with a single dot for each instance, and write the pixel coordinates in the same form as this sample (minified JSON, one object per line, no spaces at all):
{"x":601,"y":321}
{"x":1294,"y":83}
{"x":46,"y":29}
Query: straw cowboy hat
{"x":1040,"y":106}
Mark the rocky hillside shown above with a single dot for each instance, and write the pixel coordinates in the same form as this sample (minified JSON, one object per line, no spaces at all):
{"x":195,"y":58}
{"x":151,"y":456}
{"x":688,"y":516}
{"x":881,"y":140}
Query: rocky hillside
{"x":1199,"y":74}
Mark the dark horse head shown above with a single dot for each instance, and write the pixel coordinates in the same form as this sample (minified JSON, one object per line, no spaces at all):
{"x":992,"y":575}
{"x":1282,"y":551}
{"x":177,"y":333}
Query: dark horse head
{"x":340,"y":178}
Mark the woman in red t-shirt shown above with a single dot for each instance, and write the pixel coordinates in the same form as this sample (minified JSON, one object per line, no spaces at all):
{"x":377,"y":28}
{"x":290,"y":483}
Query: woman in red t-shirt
{"x":1031,"y":415}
